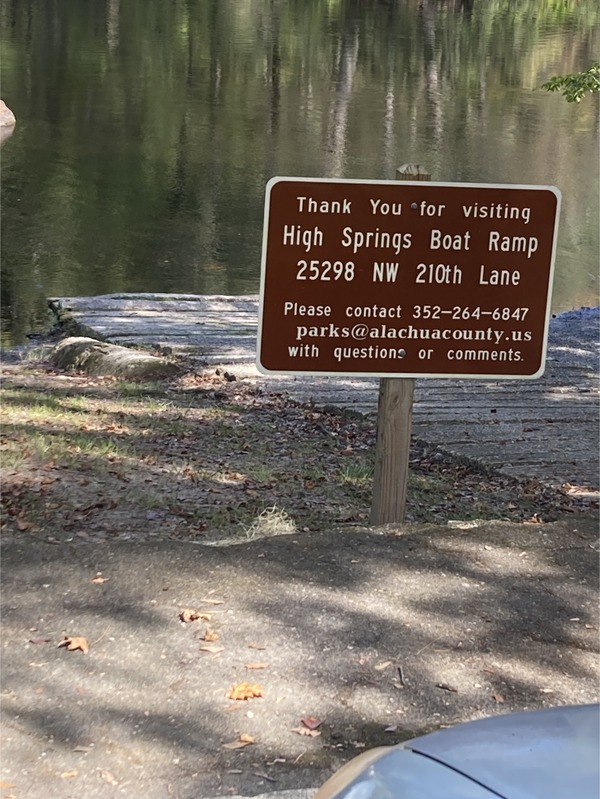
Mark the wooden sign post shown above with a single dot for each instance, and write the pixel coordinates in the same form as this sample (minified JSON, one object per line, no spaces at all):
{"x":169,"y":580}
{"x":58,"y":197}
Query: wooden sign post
{"x":394,"y":426}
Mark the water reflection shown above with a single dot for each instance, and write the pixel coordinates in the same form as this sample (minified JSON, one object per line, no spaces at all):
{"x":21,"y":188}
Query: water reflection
{"x":148,"y":130}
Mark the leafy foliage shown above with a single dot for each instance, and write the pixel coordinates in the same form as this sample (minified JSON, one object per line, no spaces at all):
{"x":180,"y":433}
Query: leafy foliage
{"x":575,"y":86}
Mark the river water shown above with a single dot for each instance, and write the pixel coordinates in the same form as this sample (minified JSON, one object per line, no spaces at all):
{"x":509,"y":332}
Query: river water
{"x":147,"y":129}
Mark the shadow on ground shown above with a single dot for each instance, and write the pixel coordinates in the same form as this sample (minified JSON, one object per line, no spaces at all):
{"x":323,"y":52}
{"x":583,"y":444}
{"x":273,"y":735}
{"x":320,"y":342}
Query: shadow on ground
{"x":377,"y":634}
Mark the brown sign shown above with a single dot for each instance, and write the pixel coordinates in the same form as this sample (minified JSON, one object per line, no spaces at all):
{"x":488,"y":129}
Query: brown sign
{"x":406,"y":279}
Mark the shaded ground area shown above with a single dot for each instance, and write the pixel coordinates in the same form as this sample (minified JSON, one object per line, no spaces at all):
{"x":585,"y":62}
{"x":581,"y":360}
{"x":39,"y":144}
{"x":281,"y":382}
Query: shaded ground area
{"x":369,"y":637}
{"x":205,"y":457}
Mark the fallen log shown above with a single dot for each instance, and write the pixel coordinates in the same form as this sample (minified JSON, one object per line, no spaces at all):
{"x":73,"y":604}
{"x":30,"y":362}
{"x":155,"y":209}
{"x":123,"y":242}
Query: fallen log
{"x":100,"y":358}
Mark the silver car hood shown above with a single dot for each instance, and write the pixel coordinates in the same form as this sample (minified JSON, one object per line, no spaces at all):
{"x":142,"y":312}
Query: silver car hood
{"x":546,"y":754}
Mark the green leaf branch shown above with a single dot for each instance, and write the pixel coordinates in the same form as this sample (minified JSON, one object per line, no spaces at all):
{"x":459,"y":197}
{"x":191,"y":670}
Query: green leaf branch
{"x":575,"y":86}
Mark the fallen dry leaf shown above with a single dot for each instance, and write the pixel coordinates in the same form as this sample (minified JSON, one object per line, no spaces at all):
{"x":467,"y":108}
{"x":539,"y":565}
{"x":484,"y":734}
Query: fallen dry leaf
{"x":256,"y":646}
{"x":311,"y":722}
{"x":67,"y":774}
{"x":4,"y":784}
{"x":75,"y":642}
{"x":251,"y":666}
{"x":214,"y":649}
{"x":382,"y":666}
{"x":208,"y":601}
{"x":22,"y":524}
{"x":244,"y":690}
{"x":301,"y":730}
{"x":42,"y":639}
{"x":535,"y":519}
{"x":242,"y":741}
{"x":210,"y":635}
{"x":499,"y":698}
{"x":235,"y":745}
{"x":98,"y":579}
{"x":189,"y":615}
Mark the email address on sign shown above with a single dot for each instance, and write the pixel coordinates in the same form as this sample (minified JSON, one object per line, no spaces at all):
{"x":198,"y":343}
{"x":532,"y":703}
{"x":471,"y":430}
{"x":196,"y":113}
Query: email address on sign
{"x":362,"y":332}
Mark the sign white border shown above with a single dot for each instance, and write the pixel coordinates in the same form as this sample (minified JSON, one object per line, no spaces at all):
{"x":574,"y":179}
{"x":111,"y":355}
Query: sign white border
{"x":419,"y":184}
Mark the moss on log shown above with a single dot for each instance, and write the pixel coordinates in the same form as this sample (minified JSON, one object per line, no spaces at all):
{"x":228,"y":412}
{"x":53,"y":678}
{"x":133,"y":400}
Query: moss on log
{"x":100,"y":358}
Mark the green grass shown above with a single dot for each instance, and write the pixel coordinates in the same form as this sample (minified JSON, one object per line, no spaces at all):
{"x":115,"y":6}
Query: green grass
{"x":21,"y":446}
{"x":358,"y":474}
{"x":41,"y":407}
{"x":260,"y":472}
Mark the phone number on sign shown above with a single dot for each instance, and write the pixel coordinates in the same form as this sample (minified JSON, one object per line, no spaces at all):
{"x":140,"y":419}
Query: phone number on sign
{"x":459,"y":312}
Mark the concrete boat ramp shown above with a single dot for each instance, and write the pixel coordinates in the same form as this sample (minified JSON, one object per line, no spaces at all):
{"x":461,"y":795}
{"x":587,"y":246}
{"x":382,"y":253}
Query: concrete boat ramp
{"x":545,"y":429}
